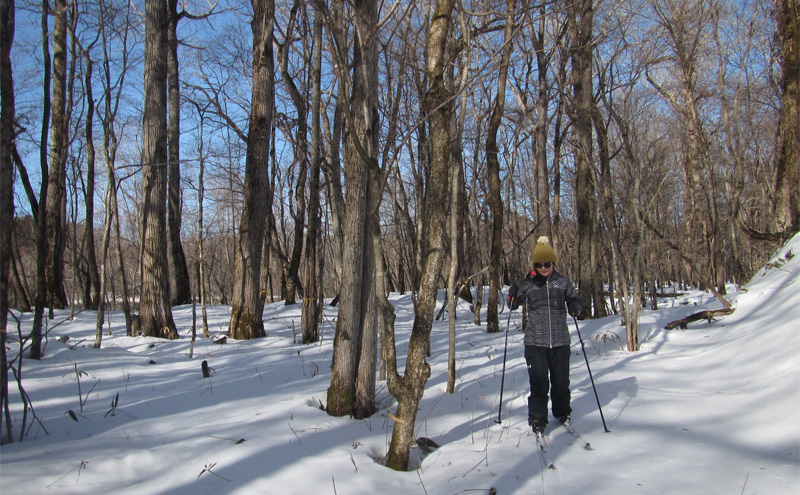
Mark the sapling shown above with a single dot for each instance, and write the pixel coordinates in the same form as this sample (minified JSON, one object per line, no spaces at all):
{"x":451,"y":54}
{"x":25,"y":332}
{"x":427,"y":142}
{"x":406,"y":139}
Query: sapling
{"x":81,"y":399}
{"x":115,"y":407}
{"x":207,"y":469}
{"x":80,"y":467}
{"x":114,"y":403}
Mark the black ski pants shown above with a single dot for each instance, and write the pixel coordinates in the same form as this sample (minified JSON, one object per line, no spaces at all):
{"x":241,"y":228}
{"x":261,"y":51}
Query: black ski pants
{"x":548,"y":370}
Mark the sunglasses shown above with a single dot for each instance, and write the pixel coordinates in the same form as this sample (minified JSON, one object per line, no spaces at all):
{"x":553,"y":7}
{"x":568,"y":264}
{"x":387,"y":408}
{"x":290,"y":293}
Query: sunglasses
{"x":546,"y":264}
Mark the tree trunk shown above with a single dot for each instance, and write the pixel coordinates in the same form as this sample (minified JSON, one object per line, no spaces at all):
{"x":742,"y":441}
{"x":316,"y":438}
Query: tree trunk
{"x":630,"y":305}
{"x":35,"y":351}
{"x":312,"y":301}
{"x":457,"y":258}
{"x":7,"y":112}
{"x":609,"y":216}
{"x":542,"y":125}
{"x":88,"y":239}
{"x":247,"y":306}
{"x":787,"y":168}
{"x":294,"y":284}
{"x":201,"y":269}
{"x":181,"y":289}
{"x":452,"y":279}
{"x":558,"y":142}
{"x":356,"y":311}
{"x":111,"y":98}
{"x":56,"y":188}
{"x":155,"y":310}
{"x":331,"y":168}
{"x":437,"y":104}
{"x":493,"y":172}
{"x":101,"y":303}
{"x":580,"y":21}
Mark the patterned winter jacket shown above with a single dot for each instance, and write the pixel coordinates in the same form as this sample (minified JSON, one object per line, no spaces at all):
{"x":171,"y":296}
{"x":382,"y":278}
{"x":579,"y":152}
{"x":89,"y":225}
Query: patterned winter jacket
{"x":548,"y":299}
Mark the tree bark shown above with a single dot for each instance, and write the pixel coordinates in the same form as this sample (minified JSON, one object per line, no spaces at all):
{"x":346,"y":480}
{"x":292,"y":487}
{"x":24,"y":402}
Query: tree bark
{"x":247,"y":306}
{"x":437,"y":104}
{"x":458,"y":261}
{"x":201,"y":269}
{"x":294,"y":285}
{"x":7,"y":111}
{"x":787,"y":169}
{"x":181,"y":289}
{"x":156,"y":311}
{"x":56,"y":188}
{"x":630,"y":305}
{"x":493,"y":175}
{"x":351,"y":380}
{"x":312,"y":301}
{"x":580,"y":21}
{"x":707,"y":315}
{"x":88,"y":239}
{"x":35,"y":351}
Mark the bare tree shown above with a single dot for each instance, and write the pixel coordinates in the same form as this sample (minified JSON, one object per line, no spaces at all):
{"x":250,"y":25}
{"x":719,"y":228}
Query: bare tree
{"x":181,"y":291}
{"x":156,"y":310}
{"x":301,"y":155}
{"x":247,"y":305}
{"x":409,"y":388}
{"x":458,"y":258}
{"x":787,"y":167}
{"x":580,"y":21}
{"x":686,"y":32}
{"x":630,"y":302}
{"x":35,"y":351}
{"x":56,"y":188}
{"x":201,"y":230}
{"x":544,"y":57}
{"x":354,"y":362}
{"x":312,"y":300}
{"x":91,"y":159}
{"x":113,"y":86}
{"x":7,"y":131}
{"x":493,"y":175}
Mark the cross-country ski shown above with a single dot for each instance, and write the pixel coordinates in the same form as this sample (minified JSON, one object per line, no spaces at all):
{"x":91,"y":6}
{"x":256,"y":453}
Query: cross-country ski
{"x":541,"y":443}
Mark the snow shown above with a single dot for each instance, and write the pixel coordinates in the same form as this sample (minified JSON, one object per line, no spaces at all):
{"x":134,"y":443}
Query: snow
{"x":714,"y":409}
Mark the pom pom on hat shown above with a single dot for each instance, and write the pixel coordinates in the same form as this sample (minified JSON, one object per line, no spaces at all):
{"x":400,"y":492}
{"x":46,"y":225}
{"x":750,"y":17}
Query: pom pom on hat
{"x":543,"y":251}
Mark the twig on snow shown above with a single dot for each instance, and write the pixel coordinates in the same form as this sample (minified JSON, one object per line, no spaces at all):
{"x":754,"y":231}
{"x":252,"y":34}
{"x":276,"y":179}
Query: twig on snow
{"x":80,"y":467}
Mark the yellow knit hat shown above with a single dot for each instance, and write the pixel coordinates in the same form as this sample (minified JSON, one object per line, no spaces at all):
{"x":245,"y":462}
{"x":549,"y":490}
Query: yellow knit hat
{"x":543,"y":251}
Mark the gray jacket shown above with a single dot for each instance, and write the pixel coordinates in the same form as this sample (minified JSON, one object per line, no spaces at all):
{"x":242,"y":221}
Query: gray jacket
{"x":547,"y":299}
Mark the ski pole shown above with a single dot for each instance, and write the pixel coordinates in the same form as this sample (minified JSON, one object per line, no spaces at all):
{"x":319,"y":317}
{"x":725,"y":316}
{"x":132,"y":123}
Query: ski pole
{"x":503,"y":376}
{"x":583,"y":348}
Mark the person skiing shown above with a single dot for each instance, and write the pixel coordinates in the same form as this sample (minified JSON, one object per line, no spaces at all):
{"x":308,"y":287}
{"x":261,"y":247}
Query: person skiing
{"x":549,"y":296}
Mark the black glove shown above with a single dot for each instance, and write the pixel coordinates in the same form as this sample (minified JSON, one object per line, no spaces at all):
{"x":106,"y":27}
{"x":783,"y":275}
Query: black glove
{"x":574,"y":308}
{"x":512,"y":293}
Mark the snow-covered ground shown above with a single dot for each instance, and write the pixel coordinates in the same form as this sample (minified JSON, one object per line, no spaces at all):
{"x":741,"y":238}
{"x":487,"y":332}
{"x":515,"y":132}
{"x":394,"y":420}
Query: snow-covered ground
{"x":714,"y":409}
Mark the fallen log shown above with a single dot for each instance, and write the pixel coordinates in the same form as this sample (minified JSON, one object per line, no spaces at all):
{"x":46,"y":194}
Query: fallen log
{"x":702,"y":315}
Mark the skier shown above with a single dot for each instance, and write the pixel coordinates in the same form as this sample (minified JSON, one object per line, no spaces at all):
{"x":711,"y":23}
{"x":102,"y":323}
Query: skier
{"x":549,"y":296}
